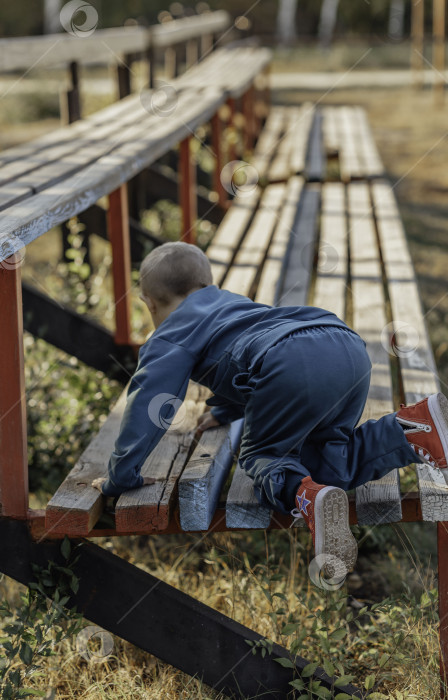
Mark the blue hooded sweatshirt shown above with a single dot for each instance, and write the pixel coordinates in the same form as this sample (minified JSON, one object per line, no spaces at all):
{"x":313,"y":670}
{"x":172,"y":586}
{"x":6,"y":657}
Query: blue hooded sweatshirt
{"x":218,"y":339}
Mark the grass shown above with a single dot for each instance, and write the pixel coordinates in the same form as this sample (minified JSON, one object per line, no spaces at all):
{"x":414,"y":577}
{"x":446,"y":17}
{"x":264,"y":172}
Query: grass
{"x":228,"y":571}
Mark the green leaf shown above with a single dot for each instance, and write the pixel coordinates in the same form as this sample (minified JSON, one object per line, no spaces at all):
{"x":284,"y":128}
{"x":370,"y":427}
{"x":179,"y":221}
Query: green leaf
{"x":323,"y":692}
{"x":338,"y":634}
{"x":342,"y":696}
{"x":26,"y":654}
{"x":286,"y":663}
{"x":328,"y":667}
{"x":297,"y":683}
{"x":290,"y":628}
{"x":309,"y":669}
{"x":343,"y":680}
{"x":383,"y":660}
{"x":66,"y":547}
{"x":369,"y":681}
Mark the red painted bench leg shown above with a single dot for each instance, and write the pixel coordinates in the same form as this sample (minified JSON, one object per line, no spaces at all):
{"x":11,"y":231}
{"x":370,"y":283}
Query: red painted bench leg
{"x":13,"y":433}
{"x":217,"y":148}
{"x":118,"y":231}
{"x":187,"y":192}
{"x":442,"y":555}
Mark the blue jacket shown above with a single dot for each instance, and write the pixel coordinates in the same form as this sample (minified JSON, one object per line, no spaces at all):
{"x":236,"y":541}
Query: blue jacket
{"x":218,"y":339}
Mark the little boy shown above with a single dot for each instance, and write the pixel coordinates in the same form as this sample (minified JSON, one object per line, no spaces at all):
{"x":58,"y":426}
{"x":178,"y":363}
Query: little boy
{"x":299,"y":377}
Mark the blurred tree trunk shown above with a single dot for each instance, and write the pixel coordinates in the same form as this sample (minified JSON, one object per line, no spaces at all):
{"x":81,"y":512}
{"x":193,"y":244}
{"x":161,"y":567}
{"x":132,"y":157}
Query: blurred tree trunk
{"x":52,"y":23}
{"x":396,"y":19}
{"x":286,"y":22}
{"x":327,"y":22}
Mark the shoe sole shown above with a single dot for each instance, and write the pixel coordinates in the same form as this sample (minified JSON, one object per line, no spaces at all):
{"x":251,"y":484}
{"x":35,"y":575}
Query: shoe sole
{"x":333,"y":536}
{"x":438,"y":408}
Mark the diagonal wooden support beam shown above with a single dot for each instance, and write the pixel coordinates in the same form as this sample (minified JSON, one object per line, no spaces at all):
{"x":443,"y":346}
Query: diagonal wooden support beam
{"x":159,"y":618}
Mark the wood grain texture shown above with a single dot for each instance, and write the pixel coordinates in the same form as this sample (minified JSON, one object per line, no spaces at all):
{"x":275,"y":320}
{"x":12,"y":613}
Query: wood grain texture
{"x":411,"y":341}
{"x":207,"y":469}
{"x":150,"y":507}
{"x":377,"y":501}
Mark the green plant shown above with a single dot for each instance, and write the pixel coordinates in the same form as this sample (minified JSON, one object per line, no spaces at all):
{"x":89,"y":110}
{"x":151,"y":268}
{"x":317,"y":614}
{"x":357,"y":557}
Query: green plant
{"x":38,"y":626}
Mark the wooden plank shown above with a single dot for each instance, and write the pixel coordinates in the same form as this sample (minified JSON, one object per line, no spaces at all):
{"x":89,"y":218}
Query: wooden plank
{"x":296,"y":283}
{"x":376,"y":501}
{"x":413,"y":348}
{"x":36,"y":215}
{"x":267,"y":142}
{"x":315,"y":161}
{"x":291,"y":148}
{"x":242,"y":507}
{"x":103,"y":46}
{"x":230,"y":232}
{"x":332,"y":266}
{"x":268,"y":290}
{"x":150,"y":507}
{"x":204,"y":476}
{"x":249,"y":258}
{"x":76,"y":505}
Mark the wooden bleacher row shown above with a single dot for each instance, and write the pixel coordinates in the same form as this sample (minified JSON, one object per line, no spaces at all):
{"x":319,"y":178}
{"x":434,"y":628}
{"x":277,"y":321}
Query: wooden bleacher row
{"x":45,"y":182}
{"x":265,"y":248}
{"x":106,"y":45}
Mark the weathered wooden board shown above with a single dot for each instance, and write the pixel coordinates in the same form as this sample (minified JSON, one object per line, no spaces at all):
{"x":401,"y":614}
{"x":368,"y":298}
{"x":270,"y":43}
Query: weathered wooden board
{"x":410,"y":337}
{"x":315,"y":160}
{"x":36,"y":215}
{"x":242,"y":507}
{"x":76,"y":505}
{"x":203,"y":478}
{"x":230,"y":232}
{"x":150,"y":507}
{"x":330,"y":288}
{"x":376,"y":501}
{"x":300,"y":254}
{"x":247,"y":263}
{"x":268,"y":290}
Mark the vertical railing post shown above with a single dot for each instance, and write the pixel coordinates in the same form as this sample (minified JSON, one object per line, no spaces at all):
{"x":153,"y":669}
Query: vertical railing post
{"x":417,"y":42}
{"x":233,"y":133}
{"x":13,"y":433}
{"x":187,"y":191}
{"x":217,"y":148}
{"x":248,"y":112}
{"x":73,"y":96}
{"x":438,"y":50}
{"x":442,"y":567}
{"x":118,"y":232}
{"x":124,"y":76}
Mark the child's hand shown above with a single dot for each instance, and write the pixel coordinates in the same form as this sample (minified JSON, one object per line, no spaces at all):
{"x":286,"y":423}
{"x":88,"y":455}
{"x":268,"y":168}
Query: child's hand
{"x":97,"y":483}
{"x":207,"y":420}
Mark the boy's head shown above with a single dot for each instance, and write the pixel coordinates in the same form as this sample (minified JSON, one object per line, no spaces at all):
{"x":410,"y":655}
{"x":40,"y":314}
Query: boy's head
{"x":169,"y":273}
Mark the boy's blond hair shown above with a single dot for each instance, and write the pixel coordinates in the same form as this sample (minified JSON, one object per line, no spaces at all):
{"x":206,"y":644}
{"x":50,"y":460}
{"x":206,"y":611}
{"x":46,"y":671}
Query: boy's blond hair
{"x":174,"y":269}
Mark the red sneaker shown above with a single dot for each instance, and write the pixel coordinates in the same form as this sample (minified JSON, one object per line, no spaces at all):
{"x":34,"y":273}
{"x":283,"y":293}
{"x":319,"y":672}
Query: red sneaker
{"x":325,"y":512}
{"x":425,"y":426}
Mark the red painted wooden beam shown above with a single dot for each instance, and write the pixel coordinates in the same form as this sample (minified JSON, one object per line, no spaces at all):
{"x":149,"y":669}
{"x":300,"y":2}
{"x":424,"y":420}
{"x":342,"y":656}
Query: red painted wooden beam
{"x":410,"y":508}
{"x":118,"y":231}
{"x":13,"y":434}
{"x":187,"y":192}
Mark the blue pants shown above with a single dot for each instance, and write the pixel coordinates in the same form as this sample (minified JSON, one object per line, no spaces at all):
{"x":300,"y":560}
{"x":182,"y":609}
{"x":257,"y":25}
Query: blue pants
{"x":307,"y":397}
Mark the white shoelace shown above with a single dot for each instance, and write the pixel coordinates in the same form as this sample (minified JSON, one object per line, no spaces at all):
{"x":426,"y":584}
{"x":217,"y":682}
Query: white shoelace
{"x":424,"y":455}
{"x":297,"y":515}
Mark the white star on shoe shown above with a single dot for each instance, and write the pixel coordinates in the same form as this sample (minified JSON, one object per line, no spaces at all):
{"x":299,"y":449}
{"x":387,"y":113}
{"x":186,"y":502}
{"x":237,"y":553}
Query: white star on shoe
{"x":302,"y":503}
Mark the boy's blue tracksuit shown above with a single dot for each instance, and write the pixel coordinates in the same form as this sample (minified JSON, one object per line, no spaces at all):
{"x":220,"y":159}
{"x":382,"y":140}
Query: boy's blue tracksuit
{"x":297,"y":374}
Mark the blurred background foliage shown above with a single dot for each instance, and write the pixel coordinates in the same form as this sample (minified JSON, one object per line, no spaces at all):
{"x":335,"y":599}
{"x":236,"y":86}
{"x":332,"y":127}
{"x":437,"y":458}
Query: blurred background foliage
{"x":371,"y":18}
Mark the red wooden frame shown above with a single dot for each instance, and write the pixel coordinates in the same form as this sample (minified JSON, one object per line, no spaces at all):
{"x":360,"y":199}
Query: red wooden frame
{"x":13,"y":429}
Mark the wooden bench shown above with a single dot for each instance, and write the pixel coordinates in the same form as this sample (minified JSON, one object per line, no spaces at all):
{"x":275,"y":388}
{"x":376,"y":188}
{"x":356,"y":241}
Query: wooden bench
{"x":335,"y":245}
{"x":295,"y":238}
{"x":119,"y":46}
